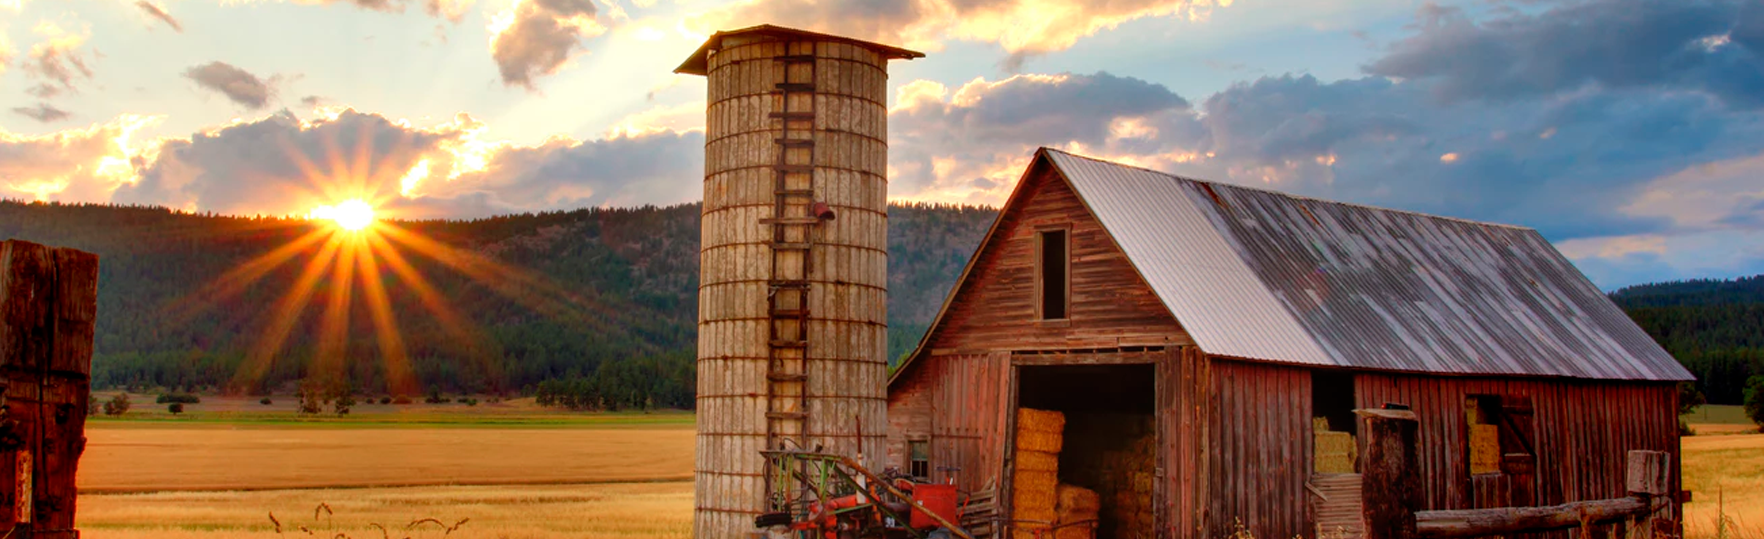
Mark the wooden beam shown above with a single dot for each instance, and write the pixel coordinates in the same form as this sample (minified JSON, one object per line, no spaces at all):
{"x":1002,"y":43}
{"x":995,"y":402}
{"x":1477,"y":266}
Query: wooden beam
{"x":1649,"y":473}
{"x":1390,"y":475}
{"x":1467,"y":523}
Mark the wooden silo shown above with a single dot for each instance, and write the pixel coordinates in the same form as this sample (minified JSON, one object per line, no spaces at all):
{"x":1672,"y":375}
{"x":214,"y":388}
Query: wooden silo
{"x":792,"y":331}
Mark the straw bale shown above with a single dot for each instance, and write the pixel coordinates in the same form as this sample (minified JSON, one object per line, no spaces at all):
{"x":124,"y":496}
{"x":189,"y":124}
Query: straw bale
{"x":1047,"y":442}
{"x":1335,"y":452}
{"x":1485,"y":448}
{"x":1074,"y":499}
{"x":1081,"y":531}
{"x":1038,"y":461}
{"x":1030,"y":419}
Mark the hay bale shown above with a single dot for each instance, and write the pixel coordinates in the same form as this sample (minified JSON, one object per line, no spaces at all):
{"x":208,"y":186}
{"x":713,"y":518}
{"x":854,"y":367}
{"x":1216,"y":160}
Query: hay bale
{"x":1076,"y":500}
{"x":1032,"y":420}
{"x":1046,"y":442}
{"x":1485,"y":448}
{"x":1040,"y":461}
{"x":1334,"y":452}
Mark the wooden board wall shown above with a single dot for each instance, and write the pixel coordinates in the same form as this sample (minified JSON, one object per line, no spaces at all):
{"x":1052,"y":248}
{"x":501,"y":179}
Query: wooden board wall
{"x":1111,"y":306}
{"x":959,"y":404}
{"x":48,"y":303}
{"x":1260,"y":447}
{"x":1583,"y":431}
{"x":1185,"y":408}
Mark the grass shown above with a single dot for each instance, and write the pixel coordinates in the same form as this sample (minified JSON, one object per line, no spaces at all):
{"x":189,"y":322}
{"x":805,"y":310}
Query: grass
{"x":1726,"y":476}
{"x":620,"y":511}
{"x":1720,"y":419}
{"x":222,"y":469}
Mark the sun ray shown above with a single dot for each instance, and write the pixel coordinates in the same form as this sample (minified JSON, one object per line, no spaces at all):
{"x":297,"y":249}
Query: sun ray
{"x":333,"y":343}
{"x":529,"y":291}
{"x":286,"y":314}
{"x":233,"y":281}
{"x":451,"y":322}
{"x":399,"y":379}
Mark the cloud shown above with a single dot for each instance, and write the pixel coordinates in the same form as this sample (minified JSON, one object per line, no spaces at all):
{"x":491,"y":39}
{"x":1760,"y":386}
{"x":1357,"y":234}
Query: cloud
{"x":75,"y":164}
{"x":312,"y":101}
{"x":6,"y":54}
{"x":1700,"y":45}
{"x":535,"y":38}
{"x":679,"y":118}
{"x":157,"y":12}
{"x":57,"y":60}
{"x":1022,"y":28}
{"x":42,"y":112}
{"x":238,"y":85}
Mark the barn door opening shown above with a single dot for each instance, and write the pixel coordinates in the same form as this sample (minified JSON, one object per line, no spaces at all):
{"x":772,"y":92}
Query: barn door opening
{"x":1108,"y":445}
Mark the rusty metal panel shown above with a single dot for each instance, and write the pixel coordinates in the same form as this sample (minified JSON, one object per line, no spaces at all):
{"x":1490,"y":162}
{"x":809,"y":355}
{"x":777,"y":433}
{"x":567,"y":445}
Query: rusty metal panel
{"x":1258,"y":274}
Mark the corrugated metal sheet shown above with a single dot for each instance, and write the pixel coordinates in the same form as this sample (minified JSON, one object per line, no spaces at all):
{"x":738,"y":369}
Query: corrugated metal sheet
{"x":1263,"y":275}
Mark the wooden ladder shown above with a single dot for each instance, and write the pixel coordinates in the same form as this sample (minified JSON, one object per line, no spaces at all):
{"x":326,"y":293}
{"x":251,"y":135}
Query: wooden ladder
{"x":793,"y":226}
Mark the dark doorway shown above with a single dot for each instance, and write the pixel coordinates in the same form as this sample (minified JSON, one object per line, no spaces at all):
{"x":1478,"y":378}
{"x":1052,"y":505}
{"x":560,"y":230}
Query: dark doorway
{"x":1110,"y":440}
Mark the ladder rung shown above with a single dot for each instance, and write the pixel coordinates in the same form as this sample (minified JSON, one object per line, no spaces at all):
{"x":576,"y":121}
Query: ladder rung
{"x":786,"y":415}
{"x":796,"y":59}
{"x":803,"y":169}
{"x":796,"y":86}
{"x":796,"y":142}
{"x":797,"y":284}
{"x":781,"y":343}
{"x":796,"y":192}
{"x":776,"y":377}
{"x":794,"y":115}
{"x":789,"y":221}
{"x":794,"y":246}
{"x":790,"y":313}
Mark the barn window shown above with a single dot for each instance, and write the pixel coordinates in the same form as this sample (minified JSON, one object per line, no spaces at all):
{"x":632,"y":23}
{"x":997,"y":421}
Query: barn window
{"x":1053,"y":265}
{"x":919,"y":459}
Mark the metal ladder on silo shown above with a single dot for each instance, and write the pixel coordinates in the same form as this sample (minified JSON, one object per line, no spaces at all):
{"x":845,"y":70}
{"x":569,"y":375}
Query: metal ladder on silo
{"x":787,"y":293}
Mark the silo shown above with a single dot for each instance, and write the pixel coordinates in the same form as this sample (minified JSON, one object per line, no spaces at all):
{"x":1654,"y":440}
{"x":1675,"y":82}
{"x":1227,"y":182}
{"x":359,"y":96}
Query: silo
{"x":792,"y":316}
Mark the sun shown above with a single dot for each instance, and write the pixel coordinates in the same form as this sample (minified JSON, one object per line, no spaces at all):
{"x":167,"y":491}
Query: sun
{"x":352,"y":215}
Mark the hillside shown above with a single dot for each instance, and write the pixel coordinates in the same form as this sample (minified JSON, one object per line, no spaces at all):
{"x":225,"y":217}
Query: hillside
{"x":1714,"y":327}
{"x":607,"y":295}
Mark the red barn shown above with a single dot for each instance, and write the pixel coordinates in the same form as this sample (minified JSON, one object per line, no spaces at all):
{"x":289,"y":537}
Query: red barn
{"x":1207,"y":343}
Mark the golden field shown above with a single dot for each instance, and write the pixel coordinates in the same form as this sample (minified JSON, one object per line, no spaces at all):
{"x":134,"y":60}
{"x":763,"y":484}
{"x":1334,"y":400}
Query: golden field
{"x":221,"y":470}
{"x":1724,"y":469}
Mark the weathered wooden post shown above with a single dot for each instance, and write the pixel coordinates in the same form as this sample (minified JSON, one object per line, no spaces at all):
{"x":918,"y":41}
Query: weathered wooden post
{"x":1390,"y":477}
{"x":1649,"y":478}
{"x":48,"y":302}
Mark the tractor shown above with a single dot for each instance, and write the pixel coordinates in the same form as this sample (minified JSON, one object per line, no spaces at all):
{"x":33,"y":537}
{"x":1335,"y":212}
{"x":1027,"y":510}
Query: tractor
{"x":814,"y":495}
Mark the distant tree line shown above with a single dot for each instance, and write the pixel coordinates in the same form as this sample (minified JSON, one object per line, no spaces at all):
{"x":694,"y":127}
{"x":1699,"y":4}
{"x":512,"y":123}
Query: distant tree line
{"x":1715,"y":328}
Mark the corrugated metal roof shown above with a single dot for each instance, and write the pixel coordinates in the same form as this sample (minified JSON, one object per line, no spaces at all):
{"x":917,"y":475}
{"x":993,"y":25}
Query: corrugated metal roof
{"x":1263,"y":275}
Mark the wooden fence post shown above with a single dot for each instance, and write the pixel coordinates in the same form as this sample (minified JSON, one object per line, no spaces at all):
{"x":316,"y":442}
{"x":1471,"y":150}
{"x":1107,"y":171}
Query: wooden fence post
{"x":1390,"y":477}
{"x":1649,"y":477}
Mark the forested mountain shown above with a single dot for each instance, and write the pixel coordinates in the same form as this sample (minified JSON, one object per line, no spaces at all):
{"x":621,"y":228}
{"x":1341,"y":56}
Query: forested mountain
{"x":603,"y":295}
{"x":1714,"y":327}
{"x":597,"y":298}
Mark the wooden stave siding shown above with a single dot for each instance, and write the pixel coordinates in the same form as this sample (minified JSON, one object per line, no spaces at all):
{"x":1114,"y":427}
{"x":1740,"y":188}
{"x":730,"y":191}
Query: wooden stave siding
{"x":1184,"y":423}
{"x":1111,"y":306}
{"x":959,"y":403}
{"x":1581,"y":442}
{"x":1253,"y":477}
{"x":847,"y":333}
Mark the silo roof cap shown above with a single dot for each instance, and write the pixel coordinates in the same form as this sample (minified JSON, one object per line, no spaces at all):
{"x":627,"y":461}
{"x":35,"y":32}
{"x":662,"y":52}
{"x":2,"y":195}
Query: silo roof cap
{"x":699,"y":62}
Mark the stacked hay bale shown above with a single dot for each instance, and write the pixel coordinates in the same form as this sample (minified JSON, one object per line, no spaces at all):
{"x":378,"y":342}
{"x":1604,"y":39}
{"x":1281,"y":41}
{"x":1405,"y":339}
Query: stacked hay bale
{"x":1131,"y":473}
{"x":1078,"y":509}
{"x":1334,"y":452}
{"x":1034,"y":485}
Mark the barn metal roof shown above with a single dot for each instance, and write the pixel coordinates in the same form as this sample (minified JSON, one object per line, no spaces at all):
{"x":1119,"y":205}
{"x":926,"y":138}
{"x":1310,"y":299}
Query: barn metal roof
{"x":1263,"y":275}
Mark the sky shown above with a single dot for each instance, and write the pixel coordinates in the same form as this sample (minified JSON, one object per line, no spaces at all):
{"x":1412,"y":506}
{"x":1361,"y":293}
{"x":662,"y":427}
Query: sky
{"x":1628,"y":132}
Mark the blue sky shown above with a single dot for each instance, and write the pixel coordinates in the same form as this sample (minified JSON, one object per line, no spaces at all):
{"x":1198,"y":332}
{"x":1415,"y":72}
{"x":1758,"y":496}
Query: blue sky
{"x":1629,"y":132}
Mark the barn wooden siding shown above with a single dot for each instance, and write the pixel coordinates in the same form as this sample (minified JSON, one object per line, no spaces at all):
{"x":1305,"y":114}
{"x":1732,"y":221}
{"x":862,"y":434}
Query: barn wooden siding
{"x":1583,"y":430}
{"x":1184,"y":423}
{"x":959,"y":404}
{"x":840,"y":383}
{"x":1260,"y":449}
{"x":48,"y":304}
{"x":1110,"y":307}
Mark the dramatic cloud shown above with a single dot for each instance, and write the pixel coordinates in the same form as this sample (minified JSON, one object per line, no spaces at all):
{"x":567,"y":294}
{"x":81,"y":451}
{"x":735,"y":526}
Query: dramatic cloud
{"x":1703,"y":45}
{"x":534,"y":38}
{"x":237,"y":84}
{"x":157,"y":12}
{"x":6,"y":54}
{"x":58,"y":59}
{"x":75,"y":164}
{"x":1021,"y":27}
{"x":312,"y":101}
{"x":42,"y":112}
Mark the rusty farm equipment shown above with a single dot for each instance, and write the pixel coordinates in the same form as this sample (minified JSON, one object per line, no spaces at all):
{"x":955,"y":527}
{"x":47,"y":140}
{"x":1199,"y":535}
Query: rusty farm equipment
{"x":813,"y":495}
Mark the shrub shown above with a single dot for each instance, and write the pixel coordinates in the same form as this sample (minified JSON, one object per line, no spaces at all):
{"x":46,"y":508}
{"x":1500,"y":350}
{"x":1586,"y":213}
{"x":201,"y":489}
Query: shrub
{"x":176,"y":397}
{"x":92,"y":405}
{"x":1755,"y":399}
{"x":264,"y":401}
{"x":469,"y":401}
{"x":385,"y":400}
{"x":343,"y":403}
{"x":401,"y":399}
{"x":175,"y":408}
{"x":117,"y":405}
